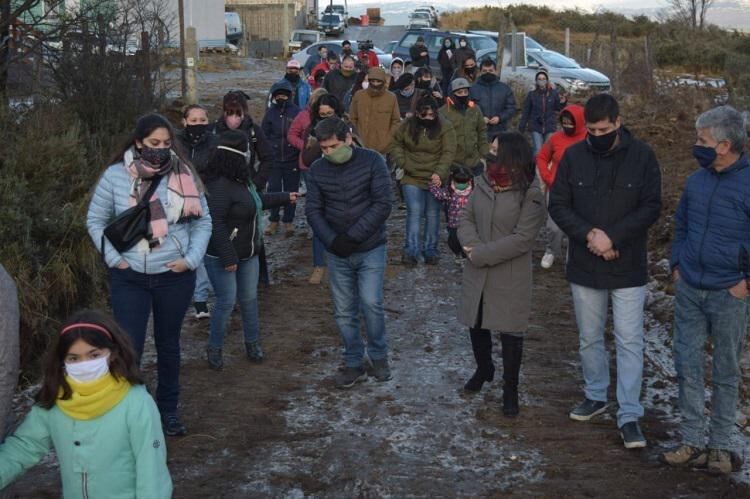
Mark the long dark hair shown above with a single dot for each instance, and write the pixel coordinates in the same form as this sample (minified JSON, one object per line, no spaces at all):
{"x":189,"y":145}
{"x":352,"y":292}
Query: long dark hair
{"x":329,"y":100}
{"x":514,"y":153}
{"x":415,"y":128}
{"x":123,"y":363}
{"x":228,"y":164}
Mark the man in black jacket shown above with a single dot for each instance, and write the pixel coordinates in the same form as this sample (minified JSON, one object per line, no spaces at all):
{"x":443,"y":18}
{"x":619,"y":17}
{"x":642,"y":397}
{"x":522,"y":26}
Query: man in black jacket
{"x":349,"y":198}
{"x":606,"y":195}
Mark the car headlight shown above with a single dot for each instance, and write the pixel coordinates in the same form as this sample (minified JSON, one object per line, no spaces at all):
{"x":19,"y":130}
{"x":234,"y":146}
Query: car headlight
{"x":575,"y":82}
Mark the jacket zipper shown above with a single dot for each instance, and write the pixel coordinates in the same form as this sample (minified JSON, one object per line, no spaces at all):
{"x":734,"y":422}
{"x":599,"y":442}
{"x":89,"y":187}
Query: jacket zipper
{"x":84,"y":486}
{"x":705,"y":230}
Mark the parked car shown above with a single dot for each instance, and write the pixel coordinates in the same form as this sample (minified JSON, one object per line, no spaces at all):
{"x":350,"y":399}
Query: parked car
{"x":332,"y":24}
{"x":340,"y":10}
{"x":388,"y":47}
{"x":428,"y":11}
{"x":421,"y":16}
{"x":433,"y":40}
{"x":233,"y":27}
{"x":419,"y":24}
{"x":531,"y":44}
{"x":302,"y":38}
{"x":563,"y":71}
{"x":335,"y":46}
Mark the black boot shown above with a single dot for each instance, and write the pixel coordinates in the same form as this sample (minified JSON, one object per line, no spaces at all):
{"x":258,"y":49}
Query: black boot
{"x":512,"y":353}
{"x":481,"y":344}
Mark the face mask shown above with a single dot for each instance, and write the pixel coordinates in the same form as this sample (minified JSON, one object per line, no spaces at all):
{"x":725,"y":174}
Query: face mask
{"x":195,"y":132}
{"x":233,"y":121}
{"x":470,"y":71}
{"x":488,"y":77}
{"x":292,"y":77}
{"x":569,"y":130}
{"x":407,"y":93}
{"x":491,"y":159}
{"x":541,"y":83}
{"x":423,"y":84}
{"x":366,"y":85}
{"x":460,"y":186}
{"x":375,"y":85}
{"x":603,"y":143}
{"x":347,"y":72}
{"x":156,"y":156}
{"x":89,"y":370}
{"x":704,"y":155}
{"x":396,"y":72}
{"x":427,"y":122}
{"x":462,"y":44}
{"x":281,"y":101}
{"x":447,"y":45}
{"x":460,"y":101}
{"x":340,"y":155}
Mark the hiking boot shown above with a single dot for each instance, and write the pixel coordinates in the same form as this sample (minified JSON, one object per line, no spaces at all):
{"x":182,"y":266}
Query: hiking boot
{"x":631,"y":435}
{"x":409,"y":260}
{"x":380,"y":370}
{"x":349,"y":376}
{"x":547,"y":260}
{"x":288,"y":230}
{"x":253,"y":351}
{"x":172,"y":425}
{"x":317,"y":275}
{"x":432,"y":260}
{"x":587,"y":410}
{"x":685,"y":455}
{"x":201,"y":310}
{"x":719,"y":461}
{"x":271,"y":229}
{"x":215,"y":360}
{"x":479,"y":378}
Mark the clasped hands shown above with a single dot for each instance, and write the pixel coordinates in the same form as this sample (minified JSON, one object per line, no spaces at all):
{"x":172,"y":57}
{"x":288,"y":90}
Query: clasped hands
{"x":600,"y":244}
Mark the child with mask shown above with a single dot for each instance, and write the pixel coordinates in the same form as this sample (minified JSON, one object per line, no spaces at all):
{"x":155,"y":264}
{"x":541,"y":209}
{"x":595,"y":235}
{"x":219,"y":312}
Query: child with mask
{"x":95,"y":411}
{"x":455,"y":196}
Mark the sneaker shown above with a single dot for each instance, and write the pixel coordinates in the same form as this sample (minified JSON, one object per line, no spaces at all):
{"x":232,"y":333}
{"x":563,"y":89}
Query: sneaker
{"x":432,"y":260}
{"x":547,"y":260}
{"x":271,"y":229}
{"x":215,"y":360}
{"x":631,"y":435}
{"x":719,"y":461}
{"x":172,"y":425}
{"x":685,"y":455}
{"x":380,"y":370}
{"x":349,"y":376}
{"x":254,"y":352}
{"x":409,"y":260}
{"x":317,"y":275}
{"x":288,"y":230}
{"x":587,"y":410}
{"x":201,"y":310}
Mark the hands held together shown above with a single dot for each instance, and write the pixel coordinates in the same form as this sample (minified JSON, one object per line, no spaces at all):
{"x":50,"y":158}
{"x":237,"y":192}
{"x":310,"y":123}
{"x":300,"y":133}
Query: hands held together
{"x":600,"y":244}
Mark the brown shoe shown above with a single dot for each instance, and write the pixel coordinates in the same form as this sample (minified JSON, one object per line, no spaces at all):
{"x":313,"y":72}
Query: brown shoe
{"x":271,"y":229}
{"x":289,"y":229}
{"x":317,"y":275}
{"x":685,"y":455}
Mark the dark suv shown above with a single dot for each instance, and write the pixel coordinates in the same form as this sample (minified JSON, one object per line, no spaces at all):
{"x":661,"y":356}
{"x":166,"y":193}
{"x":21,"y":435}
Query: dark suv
{"x":433,"y":40}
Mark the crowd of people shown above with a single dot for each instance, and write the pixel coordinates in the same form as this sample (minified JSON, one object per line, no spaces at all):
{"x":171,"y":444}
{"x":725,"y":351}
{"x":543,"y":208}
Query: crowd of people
{"x":178,"y":212}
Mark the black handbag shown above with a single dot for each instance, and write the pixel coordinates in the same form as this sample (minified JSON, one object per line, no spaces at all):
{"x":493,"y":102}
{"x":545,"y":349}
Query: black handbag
{"x":133,"y":224}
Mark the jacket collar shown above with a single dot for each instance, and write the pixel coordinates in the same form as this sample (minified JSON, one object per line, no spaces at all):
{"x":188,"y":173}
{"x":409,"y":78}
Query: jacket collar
{"x":626,"y":138}
{"x":738,"y":165}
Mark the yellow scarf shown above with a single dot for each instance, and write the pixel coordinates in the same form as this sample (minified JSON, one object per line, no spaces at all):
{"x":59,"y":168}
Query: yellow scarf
{"x":91,"y":400}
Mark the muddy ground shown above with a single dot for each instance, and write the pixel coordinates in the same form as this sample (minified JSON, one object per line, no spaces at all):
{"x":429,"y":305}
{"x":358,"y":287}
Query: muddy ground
{"x":281,"y":429}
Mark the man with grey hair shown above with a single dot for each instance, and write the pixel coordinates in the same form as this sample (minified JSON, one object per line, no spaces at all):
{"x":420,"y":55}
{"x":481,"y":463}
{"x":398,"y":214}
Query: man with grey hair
{"x":711,"y":266}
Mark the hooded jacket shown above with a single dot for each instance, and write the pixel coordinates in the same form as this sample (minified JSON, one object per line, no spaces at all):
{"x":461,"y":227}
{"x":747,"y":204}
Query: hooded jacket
{"x":418,"y":60}
{"x":276,"y":124}
{"x":259,"y":146}
{"x":300,"y":91}
{"x":471,"y":133}
{"x":551,"y":153}
{"x":393,"y":78}
{"x":426,"y":156}
{"x":494,"y":99}
{"x":375,"y":114}
{"x":540,"y":110}
{"x":322,"y":66}
{"x":618,"y":192}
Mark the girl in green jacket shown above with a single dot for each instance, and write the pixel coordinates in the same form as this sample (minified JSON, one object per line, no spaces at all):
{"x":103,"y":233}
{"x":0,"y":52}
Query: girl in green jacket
{"x":96,"y":413}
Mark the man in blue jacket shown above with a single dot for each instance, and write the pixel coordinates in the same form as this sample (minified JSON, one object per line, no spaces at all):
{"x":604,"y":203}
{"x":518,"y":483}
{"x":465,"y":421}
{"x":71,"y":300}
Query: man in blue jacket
{"x":710,"y":266}
{"x":349,"y":199}
{"x":495,"y":99}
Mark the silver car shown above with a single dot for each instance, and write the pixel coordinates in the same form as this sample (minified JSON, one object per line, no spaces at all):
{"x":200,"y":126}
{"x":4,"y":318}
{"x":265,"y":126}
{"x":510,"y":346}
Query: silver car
{"x":335,"y":46}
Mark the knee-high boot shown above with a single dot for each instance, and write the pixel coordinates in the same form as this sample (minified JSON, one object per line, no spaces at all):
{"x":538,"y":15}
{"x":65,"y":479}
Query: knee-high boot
{"x":512,"y":354}
{"x":481,"y":345}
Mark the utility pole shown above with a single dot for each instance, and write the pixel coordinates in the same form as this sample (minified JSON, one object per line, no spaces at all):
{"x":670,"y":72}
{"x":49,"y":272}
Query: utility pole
{"x":183,"y":71}
{"x":285,"y":30}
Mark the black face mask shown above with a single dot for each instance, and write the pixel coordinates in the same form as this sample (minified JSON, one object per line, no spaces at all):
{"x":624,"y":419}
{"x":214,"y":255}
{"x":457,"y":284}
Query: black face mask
{"x":569,"y":130}
{"x":156,"y":156}
{"x":488,"y":77}
{"x":291,"y":77}
{"x":460,"y":101}
{"x":195,"y":132}
{"x":470,"y":71}
{"x":423,"y":84}
{"x":603,"y":143}
{"x":427,"y":123}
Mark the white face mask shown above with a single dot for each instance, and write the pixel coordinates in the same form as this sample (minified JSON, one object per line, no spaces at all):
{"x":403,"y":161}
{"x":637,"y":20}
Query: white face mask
{"x":365,"y":85}
{"x":89,"y":370}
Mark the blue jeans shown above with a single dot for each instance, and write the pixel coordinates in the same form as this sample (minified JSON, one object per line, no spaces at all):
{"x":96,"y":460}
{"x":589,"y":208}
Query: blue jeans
{"x":284,"y":178}
{"x":133,"y":296}
{"x":240,"y":285}
{"x":421,"y":204}
{"x":202,"y":284}
{"x":627,"y":313}
{"x":699,"y":314}
{"x":539,"y":140}
{"x":357,"y":285}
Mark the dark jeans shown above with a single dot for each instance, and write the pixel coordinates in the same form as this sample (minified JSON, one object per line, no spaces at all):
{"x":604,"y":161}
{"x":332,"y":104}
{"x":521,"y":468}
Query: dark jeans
{"x":134,"y":295}
{"x":284,"y":178}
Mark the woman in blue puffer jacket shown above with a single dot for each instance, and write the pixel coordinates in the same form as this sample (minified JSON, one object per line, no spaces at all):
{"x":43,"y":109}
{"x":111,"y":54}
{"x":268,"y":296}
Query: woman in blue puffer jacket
{"x":157,"y":273}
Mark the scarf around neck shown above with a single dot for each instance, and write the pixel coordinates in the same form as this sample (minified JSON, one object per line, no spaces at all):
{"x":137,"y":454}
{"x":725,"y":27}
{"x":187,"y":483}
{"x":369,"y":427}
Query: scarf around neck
{"x":94,"y":399}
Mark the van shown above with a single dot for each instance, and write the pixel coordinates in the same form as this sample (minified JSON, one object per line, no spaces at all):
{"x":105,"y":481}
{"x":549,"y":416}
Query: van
{"x":233,"y":28}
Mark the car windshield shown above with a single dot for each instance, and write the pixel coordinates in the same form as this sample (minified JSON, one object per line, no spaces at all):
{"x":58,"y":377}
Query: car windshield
{"x":305,"y":37}
{"x":331,"y":18}
{"x":533,"y":44}
{"x":482,"y":43}
{"x":555,"y":60}
{"x":420,"y":15}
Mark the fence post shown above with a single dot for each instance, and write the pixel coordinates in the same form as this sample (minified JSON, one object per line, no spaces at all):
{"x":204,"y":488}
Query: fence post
{"x":191,"y":65}
{"x":501,"y":46}
{"x":613,"y":53}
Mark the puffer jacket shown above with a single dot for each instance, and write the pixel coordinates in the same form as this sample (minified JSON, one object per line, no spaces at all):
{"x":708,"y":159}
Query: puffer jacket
{"x":186,"y":240}
{"x":712,"y":227}
{"x":276,"y":124}
{"x":471,"y":133}
{"x":232,"y":207}
{"x":298,"y":133}
{"x":198,"y":152}
{"x":540,"y":111}
{"x":549,"y":156}
{"x":376,"y":116}
{"x":421,"y":159}
{"x":259,"y":146}
{"x":354,"y":198}
{"x":494,"y":99}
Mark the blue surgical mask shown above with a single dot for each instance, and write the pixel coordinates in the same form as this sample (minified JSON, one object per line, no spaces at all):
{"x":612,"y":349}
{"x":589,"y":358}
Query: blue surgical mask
{"x":705,"y":155}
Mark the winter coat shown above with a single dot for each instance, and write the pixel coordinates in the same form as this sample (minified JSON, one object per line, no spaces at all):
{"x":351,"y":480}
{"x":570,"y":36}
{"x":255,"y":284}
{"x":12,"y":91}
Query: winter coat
{"x":198,"y":152}
{"x":540,"y":111}
{"x":323,"y":65}
{"x":549,"y":156}
{"x":276,"y":124}
{"x":461,"y":54}
{"x":9,"y":353}
{"x":433,"y":87}
{"x":618,"y":192}
{"x":338,"y":84}
{"x":376,"y":116}
{"x":186,"y":240}
{"x":259,"y":146}
{"x":354,"y":198}
{"x":418,"y":60}
{"x":454,"y":201}
{"x":494,"y":99}
{"x":300,"y":92}
{"x":501,"y":228}
{"x":368,"y":59}
{"x":712,"y":227}
{"x":405,"y":104}
{"x":232,"y":207}
{"x":298,"y":131}
{"x":118,"y":455}
{"x":311,"y":63}
{"x":421,"y":159}
{"x":447,"y":63}
{"x":471,"y":133}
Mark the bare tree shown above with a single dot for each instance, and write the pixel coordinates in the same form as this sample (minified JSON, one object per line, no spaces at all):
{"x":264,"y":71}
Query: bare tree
{"x":691,"y":12}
